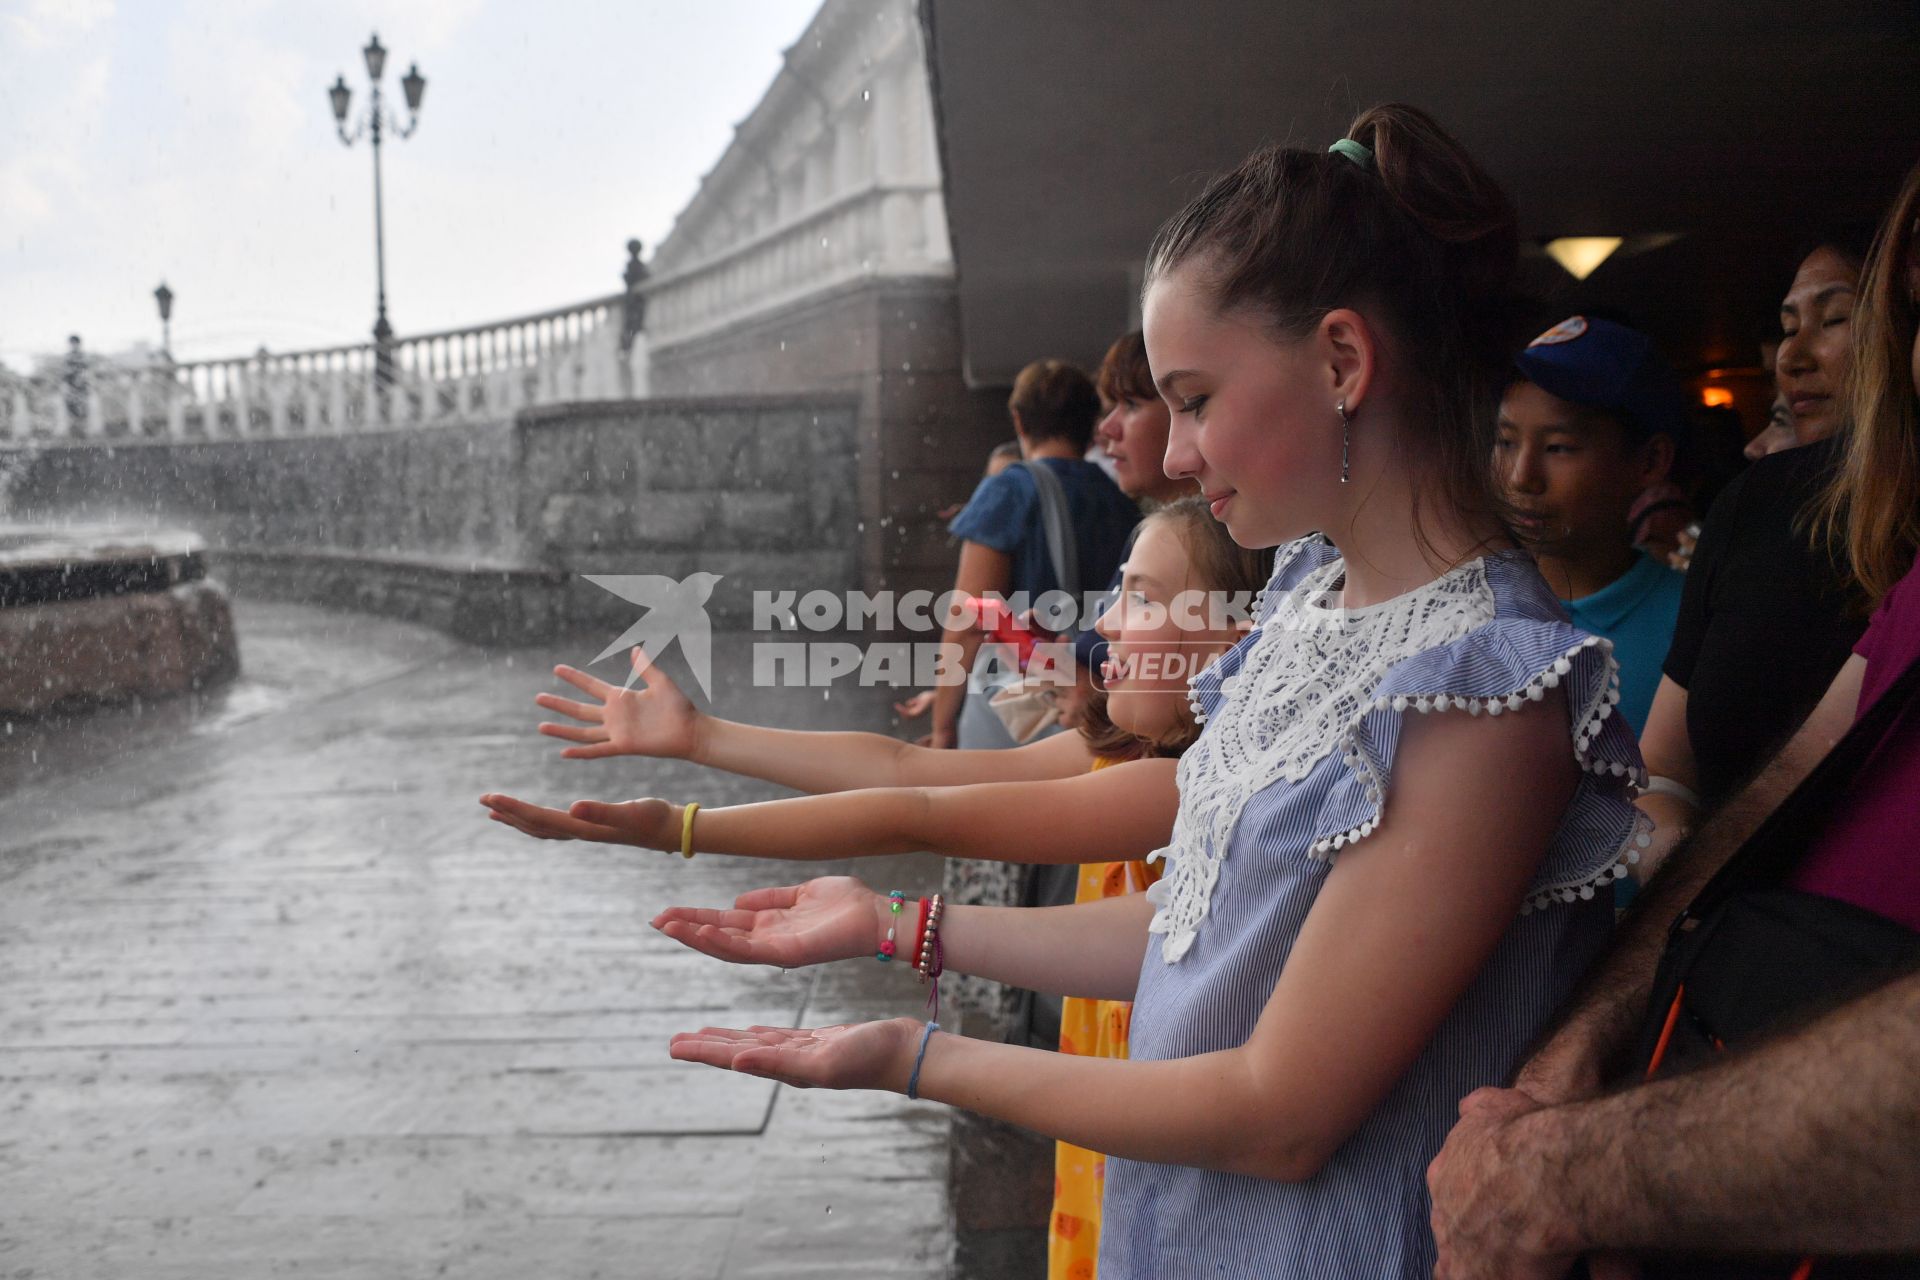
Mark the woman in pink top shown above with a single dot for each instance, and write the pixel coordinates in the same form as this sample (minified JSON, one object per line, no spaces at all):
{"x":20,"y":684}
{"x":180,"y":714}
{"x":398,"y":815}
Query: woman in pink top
{"x":1870,"y":853}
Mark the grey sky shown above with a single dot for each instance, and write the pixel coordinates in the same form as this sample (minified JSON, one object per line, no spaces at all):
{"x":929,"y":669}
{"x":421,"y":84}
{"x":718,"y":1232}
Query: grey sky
{"x":191,"y":140}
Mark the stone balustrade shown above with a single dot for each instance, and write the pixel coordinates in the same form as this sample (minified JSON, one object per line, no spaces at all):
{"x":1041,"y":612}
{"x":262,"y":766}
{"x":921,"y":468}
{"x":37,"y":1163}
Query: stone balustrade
{"x":893,"y":231}
{"x":475,"y":373}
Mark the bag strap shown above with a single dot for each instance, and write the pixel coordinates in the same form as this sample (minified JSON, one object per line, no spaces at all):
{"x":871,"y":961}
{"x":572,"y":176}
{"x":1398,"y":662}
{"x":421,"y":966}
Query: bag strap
{"x":1791,"y":830}
{"x":1056,"y":519}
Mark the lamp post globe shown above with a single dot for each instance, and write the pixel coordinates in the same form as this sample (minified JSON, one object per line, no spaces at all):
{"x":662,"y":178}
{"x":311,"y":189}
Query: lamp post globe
{"x":415,"y":86}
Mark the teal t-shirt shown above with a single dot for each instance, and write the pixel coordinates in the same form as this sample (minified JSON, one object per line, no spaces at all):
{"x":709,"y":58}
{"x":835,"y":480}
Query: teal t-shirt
{"x":1636,"y":611}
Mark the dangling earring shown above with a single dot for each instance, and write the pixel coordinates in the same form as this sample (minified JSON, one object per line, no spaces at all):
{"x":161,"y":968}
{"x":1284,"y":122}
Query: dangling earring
{"x":1346,"y":434}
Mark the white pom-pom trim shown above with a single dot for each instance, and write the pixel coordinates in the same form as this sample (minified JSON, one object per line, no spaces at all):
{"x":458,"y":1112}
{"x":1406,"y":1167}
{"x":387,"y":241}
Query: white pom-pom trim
{"x":1638,"y":837}
{"x":1588,"y":722}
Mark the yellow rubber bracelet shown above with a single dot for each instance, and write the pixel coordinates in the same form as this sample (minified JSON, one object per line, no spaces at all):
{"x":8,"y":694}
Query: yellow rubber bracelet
{"x":686,"y":830}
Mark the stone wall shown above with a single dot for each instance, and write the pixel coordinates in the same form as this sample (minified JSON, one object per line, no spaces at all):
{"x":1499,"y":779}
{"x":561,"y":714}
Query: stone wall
{"x":924,"y":435}
{"x":483,"y":529}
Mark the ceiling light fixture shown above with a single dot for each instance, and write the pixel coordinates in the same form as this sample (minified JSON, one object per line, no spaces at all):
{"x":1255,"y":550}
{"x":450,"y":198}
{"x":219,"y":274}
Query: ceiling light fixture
{"x":1582,"y":255}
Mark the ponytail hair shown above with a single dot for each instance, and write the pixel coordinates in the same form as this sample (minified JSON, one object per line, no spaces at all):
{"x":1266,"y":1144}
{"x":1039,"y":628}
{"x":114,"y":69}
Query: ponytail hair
{"x":1872,"y":504}
{"x":1419,"y":238}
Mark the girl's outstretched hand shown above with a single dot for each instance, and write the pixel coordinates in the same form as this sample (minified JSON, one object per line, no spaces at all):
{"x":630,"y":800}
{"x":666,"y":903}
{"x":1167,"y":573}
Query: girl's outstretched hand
{"x":654,"y":720}
{"x":649,"y":824}
{"x":831,"y":918}
{"x":859,"y":1055}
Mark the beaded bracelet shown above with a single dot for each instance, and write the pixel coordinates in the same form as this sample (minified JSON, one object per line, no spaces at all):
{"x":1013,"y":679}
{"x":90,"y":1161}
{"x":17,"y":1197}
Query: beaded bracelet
{"x":919,"y":932}
{"x":929,"y":963}
{"x":686,"y":829}
{"x":895,"y":901}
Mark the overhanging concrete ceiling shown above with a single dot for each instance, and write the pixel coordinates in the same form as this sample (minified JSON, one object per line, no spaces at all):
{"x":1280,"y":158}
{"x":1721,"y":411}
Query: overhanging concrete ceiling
{"x":1070,"y":129}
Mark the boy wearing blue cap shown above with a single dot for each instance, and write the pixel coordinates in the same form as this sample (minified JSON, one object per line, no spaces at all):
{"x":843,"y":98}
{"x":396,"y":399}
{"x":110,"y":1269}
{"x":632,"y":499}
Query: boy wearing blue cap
{"x":1592,"y":422}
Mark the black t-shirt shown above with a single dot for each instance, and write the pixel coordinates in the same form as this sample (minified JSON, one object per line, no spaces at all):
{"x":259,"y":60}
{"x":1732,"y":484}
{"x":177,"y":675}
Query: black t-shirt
{"x":1766,"y":620}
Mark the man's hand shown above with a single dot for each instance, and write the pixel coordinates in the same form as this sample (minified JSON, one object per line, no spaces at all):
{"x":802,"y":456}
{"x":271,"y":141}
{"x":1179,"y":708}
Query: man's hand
{"x":1562,"y":1072}
{"x":1493,"y":1218}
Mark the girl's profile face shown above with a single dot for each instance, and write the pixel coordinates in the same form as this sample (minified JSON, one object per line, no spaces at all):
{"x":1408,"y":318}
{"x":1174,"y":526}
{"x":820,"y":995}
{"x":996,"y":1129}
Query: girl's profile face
{"x":1156,"y":636}
{"x":1252,"y":422}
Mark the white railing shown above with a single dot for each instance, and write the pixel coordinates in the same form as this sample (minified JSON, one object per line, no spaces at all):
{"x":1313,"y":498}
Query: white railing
{"x":484,"y":371}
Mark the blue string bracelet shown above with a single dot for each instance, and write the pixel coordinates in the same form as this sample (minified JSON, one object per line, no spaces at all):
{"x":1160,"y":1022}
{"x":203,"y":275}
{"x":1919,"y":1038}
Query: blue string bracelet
{"x":913,"y":1081}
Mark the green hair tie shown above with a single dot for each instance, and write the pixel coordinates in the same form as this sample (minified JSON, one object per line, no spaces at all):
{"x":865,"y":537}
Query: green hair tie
{"x":1354,"y":151}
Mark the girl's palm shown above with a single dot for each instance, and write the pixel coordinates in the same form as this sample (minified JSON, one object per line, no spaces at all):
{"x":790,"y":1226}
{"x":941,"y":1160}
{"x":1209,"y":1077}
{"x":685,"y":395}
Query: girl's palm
{"x":653,"y":720}
{"x":831,"y":918}
{"x":860,"y":1055}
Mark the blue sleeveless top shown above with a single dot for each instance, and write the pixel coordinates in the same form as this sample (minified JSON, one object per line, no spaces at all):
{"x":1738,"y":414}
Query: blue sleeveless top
{"x":1302,"y":721}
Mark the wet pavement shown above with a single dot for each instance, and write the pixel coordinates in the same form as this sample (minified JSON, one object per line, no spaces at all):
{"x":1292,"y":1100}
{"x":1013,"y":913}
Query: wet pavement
{"x":275,"y":999}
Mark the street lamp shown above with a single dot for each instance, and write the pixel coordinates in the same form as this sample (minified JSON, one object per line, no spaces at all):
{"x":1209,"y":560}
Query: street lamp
{"x":374,"y":123}
{"x":164,"y":296}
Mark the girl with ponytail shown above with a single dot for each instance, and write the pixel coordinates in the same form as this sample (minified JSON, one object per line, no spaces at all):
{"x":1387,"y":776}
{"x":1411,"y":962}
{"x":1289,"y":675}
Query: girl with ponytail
{"x":1394,"y":833}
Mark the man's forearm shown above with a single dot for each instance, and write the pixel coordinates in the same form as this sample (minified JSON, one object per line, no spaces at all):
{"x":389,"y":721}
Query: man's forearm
{"x":1807,"y":1144}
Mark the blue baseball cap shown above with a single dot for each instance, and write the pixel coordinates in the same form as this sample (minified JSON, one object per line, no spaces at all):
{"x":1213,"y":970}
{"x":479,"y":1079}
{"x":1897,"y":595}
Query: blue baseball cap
{"x":1589,"y":361}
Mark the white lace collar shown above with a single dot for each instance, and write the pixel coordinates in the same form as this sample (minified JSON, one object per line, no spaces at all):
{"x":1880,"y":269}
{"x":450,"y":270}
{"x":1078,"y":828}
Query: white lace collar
{"x":1306,"y":678}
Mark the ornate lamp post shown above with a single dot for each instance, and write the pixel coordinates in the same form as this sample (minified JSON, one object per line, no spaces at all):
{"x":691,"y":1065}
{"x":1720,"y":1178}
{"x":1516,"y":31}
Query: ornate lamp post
{"x":374,"y":123}
{"x":164,"y":296}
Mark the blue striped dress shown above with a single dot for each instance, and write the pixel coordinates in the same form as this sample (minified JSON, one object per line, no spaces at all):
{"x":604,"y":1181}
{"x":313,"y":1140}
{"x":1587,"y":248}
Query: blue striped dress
{"x":1302,"y":720}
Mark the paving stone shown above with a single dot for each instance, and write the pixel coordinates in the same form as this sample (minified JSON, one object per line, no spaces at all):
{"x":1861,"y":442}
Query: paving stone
{"x":275,"y":999}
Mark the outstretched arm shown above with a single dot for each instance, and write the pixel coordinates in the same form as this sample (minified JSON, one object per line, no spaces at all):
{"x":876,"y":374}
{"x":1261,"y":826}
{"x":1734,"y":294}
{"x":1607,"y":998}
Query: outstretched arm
{"x":1807,"y":1144}
{"x":658,"y":720}
{"x":820,"y":762}
{"x":1118,"y":813}
{"x":1089,"y":949}
{"x":1605,"y":1011}
{"x":1403,"y":923}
